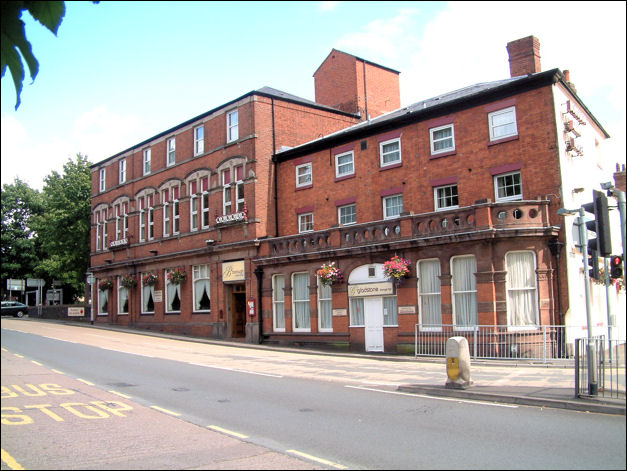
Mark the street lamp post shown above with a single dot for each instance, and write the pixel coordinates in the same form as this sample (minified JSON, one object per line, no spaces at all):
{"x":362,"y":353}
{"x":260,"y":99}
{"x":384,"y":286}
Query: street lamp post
{"x":91,"y":279}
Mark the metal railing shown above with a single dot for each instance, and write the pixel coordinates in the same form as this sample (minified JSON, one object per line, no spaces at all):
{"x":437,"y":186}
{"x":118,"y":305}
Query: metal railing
{"x":608,"y":366}
{"x":538,"y":343}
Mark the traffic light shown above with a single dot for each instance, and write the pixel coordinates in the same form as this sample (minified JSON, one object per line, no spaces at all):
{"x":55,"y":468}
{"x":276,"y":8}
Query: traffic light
{"x":616,"y":265}
{"x":602,"y":245}
{"x":593,"y":264}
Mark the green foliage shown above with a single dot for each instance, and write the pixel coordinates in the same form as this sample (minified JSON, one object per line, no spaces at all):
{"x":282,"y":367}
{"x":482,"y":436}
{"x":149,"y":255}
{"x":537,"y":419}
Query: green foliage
{"x":19,"y":246}
{"x":64,"y":224}
{"x":14,"y":46}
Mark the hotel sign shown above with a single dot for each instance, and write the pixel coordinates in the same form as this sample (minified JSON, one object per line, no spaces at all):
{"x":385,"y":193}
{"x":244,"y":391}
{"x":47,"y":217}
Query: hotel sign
{"x":229,"y":218}
{"x":371,"y":289}
{"x":118,"y":244}
{"x":233,"y":271}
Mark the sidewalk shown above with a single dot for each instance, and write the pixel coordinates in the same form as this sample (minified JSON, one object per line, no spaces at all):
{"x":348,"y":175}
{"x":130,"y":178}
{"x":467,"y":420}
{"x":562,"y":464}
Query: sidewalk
{"x":509,"y":382}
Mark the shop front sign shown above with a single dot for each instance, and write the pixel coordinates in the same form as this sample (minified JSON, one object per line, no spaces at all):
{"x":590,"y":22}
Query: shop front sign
{"x":371,"y":289}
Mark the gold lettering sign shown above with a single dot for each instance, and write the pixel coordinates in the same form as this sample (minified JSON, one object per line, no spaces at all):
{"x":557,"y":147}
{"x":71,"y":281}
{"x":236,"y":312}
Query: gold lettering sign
{"x":371,"y":289}
{"x":233,"y":271}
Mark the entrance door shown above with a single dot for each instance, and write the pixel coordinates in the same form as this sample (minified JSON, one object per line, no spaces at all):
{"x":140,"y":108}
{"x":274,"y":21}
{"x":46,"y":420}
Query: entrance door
{"x":373,"y":320}
{"x":238,"y":311}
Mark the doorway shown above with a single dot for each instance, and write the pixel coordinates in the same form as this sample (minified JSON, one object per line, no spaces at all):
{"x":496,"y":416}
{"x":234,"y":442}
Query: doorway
{"x":237,"y":315}
{"x":373,"y":320}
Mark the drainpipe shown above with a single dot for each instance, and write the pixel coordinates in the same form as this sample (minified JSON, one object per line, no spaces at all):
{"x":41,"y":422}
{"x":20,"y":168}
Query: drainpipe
{"x":259,"y":274}
{"x":366,"y":94}
{"x":555,"y":246}
{"x":276,"y":179}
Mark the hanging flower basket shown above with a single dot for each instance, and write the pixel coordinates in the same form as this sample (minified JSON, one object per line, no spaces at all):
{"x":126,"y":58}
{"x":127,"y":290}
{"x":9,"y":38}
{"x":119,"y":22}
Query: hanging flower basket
{"x":177,"y":276}
{"x":150,"y":279}
{"x":105,"y":284}
{"x":330,"y":274}
{"x":396,"y":268}
{"x":128,"y":281}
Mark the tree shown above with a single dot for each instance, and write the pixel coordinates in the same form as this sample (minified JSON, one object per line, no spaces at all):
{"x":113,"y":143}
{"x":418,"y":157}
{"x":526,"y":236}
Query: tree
{"x":63,"y":227}
{"x":19,"y":246}
{"x":14,"y":45}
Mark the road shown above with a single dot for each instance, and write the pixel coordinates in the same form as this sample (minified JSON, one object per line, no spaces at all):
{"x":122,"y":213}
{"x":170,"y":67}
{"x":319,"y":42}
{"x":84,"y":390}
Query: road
{"x":306,"y":408}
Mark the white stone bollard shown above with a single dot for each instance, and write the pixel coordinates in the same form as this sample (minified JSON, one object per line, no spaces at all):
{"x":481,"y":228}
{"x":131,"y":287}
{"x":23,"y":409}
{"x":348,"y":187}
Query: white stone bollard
{"x":457,"y":363}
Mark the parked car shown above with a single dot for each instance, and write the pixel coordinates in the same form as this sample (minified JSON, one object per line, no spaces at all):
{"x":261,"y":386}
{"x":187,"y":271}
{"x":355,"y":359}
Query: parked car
{"x":13,"y":308}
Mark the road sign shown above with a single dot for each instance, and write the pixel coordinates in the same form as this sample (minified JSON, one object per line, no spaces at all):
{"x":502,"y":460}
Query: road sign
{"x":35,"y":282}
{"x":15,"y":285}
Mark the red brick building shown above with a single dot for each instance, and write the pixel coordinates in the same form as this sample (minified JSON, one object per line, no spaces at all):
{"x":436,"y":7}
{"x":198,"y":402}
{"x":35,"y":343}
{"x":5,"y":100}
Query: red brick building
{"x":464,"y":186}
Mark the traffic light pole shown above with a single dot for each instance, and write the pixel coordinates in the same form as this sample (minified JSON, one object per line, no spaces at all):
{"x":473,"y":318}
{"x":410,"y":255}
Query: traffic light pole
{"x":593,"y":387}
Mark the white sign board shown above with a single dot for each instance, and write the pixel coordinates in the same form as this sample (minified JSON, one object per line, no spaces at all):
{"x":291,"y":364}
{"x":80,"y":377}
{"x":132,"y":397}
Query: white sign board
{"x":371,"y":289}
{"x":35,"y":282}
{"x":15,"y":285}
{"x":157,"y":296}
{"x":75,"y":311}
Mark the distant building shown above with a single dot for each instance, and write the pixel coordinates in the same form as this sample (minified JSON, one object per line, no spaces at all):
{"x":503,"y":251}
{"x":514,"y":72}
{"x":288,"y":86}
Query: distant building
{"x":252,"y":198}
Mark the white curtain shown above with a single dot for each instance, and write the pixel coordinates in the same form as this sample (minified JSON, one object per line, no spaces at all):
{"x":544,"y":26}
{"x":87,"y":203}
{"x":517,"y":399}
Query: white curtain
{"x":465,"y":290}
{"x":278,"y":296}
{"x":429,"y":290}
{"x":357,"y":311}
{"x":390,"y":311}
{"x":122,"y":300}
{"x":202,"y":293}
{"x":103,"y":298}
{"x":301,"y":301}
{"x":521,"y":288}
{"x":325,"y":313}
{"x":147,"y":298}
{"x":172,"y":290}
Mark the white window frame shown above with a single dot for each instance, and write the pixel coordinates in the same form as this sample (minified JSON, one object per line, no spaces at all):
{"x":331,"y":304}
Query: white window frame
{"x":151,"y":291}
{"x":103,"y":179}
{"x":434,"y":141}
{"x":321,"y":300}
{"x":423,"y":294}
{"x":306,"y":177}
{"x":232,"y":128}
{"x":305,"y":302}
{"x":386,"y":318}
{"x":98,"y":237}
{"x":176,"y":217}
{"x":167,"y":214}
{"x":339,"y":174}
{"x":437,"y":200}
{"x":151,"y":223}
{"x":171,"y":151}
{"x":199,"y":140}
{"x":455,"y":292}
{"x":142,"y":225}
{"x":536,"y":321}
{"x":345,"y":207}
{"x":278,"y":299}
{"x":105,"y":234}
{"x":240,"y":200}
{"x":147,"y":165}
{"x":201,"y":273}
{"x":385,"y":199}
{"x":168,"y":301}
{"x":500,"y":113}
{"x":351,"y":308}
{"x":122,"y":288}
{"x":383,"y":154}
{"x":122,"y":171}
{"x":194,"y":221}
{"x":497,"y":186}
{"x":103,"y":293}
{"x":302,"y":221}
{"x":204,"y":207}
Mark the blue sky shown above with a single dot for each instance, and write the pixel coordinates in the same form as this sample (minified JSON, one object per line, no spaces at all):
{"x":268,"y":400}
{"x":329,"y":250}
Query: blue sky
{"x":118,"y":73}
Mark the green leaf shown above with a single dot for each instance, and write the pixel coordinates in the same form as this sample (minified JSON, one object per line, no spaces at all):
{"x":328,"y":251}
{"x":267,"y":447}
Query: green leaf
{"x":50,"y":14}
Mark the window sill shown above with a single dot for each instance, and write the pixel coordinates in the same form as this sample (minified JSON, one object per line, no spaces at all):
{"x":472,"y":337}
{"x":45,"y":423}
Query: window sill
{"x":501,"y":141}
{"x":147,"y":314}
{"x":304,"y":187}
{"x":443,"y":154}
{"x":345,"y":177}
{"x":389,"y":166}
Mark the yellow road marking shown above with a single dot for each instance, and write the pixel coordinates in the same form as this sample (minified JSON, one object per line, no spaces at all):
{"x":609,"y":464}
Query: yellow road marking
{"x":57,"y":371}
{"x":315,"y":458}
{"x":36,"y":363}
{"x":10,"y":461}
{"x":4,"y":349}
{"x":18,"y":355}
{"x":165,"y":410}
{"x":228,"y":432}
{"x":85,"y":381}
{"x":120,"y":394}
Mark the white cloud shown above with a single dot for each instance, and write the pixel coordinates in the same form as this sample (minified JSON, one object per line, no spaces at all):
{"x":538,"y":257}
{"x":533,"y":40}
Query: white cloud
{"x":97,"y":134}
{"x":329,"y":6}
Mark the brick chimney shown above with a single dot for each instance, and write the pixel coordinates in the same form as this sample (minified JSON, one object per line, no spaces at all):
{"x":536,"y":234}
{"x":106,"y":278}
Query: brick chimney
{"x":524,"y":56}
{"x":355,"y":85}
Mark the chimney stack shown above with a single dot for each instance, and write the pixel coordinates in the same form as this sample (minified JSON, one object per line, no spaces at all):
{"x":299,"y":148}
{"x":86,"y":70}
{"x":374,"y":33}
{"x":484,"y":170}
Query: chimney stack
{"x":524,"y":56}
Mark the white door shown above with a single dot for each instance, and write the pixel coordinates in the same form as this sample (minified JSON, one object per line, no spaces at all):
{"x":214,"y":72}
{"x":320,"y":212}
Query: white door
{"x":373,"y":319}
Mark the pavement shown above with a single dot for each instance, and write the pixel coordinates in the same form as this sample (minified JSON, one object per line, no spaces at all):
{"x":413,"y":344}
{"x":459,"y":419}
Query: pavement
{"x":549,"y":385}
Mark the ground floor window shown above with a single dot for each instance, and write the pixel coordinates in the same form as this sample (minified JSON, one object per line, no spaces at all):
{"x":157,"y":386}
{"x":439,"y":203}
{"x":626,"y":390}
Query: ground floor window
{"x":390,"y":311}
{"x":278,"y":302}
{"x":300,"y":301}
{"x":103,"y":301}
{"x":325,"y":310}
{"x":522,"y":297}
{"x":172,"y":295}
{"x":202,"y":297}
{"x":357,"y":312}
{"x":122,"y":298}
{"x":148,"y":298}
{"x":464,"y":291}
{"x":429,"y":295}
